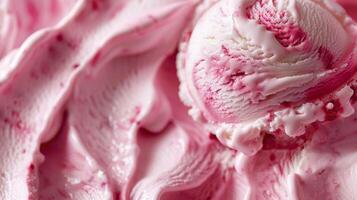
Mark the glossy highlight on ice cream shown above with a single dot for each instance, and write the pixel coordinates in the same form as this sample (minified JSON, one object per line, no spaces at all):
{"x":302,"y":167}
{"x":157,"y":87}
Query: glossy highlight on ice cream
{"x":256,"y":67}
{"x":90,"y":106}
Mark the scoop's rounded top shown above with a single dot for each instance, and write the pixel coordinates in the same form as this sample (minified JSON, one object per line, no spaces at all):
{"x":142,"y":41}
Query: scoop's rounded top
{"x":265,"y":66}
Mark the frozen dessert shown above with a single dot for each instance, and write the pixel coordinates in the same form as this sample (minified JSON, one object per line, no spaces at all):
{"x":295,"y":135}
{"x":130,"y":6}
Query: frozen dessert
{"x":251,"y":68}
{"x":91,"y":105}
{"x":77,"y":89}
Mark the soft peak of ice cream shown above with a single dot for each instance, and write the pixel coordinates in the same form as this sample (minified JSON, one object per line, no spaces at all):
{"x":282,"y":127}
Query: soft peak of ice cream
{"x":264,"y":66}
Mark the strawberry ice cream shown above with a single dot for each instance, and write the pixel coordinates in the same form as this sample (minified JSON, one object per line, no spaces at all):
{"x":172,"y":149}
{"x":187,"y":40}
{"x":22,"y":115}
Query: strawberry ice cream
{"x":252,"y":68}
{"x":91,"y":106}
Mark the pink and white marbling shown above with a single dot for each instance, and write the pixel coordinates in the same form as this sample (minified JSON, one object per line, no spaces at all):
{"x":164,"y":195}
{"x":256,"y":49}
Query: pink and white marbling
{"x":254,"y":67}
{"x":89,"y":109}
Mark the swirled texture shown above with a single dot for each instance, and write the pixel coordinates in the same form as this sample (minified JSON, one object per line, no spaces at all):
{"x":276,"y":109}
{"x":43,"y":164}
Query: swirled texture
{"x":89,"y":109}
{"x":263,"y":66}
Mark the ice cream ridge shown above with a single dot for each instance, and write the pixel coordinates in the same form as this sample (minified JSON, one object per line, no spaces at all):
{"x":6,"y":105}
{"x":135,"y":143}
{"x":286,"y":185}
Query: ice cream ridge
{"x":255,"y":67}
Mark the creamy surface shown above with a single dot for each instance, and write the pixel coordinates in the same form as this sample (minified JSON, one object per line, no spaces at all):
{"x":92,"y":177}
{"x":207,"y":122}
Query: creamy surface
{"x":253,"y":67}
{"x":90,"y":107}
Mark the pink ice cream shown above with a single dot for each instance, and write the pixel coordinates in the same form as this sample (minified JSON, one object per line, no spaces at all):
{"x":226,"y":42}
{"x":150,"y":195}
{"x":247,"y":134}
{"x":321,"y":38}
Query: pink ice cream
{"x":252,"y":68}
{"x":89,"y":104}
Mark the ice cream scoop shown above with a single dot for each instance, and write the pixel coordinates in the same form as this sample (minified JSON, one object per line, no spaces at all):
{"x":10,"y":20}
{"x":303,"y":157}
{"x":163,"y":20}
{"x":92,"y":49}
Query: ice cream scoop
{"x":89,"y":104}
{"x":254,"y":67}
